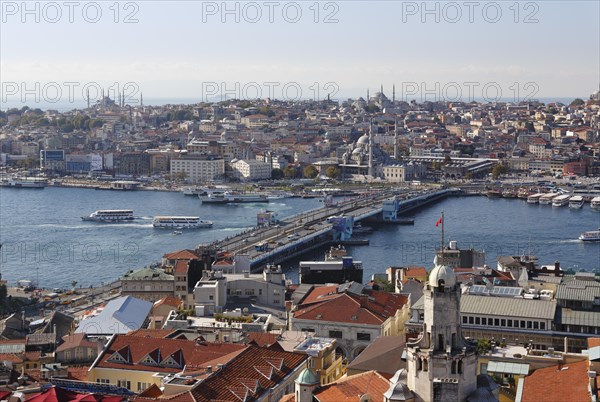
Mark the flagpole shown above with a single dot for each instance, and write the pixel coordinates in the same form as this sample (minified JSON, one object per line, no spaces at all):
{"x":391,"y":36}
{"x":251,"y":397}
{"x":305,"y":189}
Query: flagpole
{"x":442,"y":237}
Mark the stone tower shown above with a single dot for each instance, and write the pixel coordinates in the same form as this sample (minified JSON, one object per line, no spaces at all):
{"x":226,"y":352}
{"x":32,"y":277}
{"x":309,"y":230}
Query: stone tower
{"x":442,"y":366}
{"x":305,"y":385}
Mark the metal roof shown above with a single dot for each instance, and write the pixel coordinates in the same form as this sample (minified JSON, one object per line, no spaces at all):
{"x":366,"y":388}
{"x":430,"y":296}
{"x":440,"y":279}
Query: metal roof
{"x":12,"y":347}
{"x":120,"y":316}
{"x":578,"y":290}
{"x":576,"y":317}
{"x":508,"y":368}
{"x":507,"y":306}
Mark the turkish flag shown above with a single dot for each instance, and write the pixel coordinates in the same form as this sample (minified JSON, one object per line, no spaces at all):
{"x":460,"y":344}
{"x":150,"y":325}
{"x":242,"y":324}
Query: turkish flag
{"x":438,"y":222}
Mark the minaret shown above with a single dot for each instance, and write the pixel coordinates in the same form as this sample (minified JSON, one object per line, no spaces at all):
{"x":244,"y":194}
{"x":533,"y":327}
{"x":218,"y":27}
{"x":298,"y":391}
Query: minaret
{"x":394,"y":93}
{"x":141,"y":99}
{"x":368,"y":97}
{"x":88,"y":97}
{"x":442,"y":365}
{"x":371,"y":149}
{"x":395,"y":138}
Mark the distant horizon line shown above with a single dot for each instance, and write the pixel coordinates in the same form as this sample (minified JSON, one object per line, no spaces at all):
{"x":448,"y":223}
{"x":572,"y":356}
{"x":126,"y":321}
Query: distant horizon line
{"x":164,"y":101}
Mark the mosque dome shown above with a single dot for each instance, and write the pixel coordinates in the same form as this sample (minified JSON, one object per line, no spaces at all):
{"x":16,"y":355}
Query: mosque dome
{"x":363,"y":140}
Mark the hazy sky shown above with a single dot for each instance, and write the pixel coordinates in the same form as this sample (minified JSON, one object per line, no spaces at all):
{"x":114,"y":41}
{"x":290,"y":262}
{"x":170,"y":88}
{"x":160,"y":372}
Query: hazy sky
{"x":195,"y":49}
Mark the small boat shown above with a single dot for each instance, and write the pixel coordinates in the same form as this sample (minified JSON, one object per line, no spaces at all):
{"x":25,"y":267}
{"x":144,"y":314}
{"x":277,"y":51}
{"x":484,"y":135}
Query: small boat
{"x":595,"y":203}
{"x":25,"y":182}
{"x":358,"y":228}
{"x":494,"y":193}
{"x":576,"y":202}
{"x":546,"y":199}
{"x":177,"y":232}
{"x":509,"y":193}
{"x":593,"y":235}
{"x":524,"y":193}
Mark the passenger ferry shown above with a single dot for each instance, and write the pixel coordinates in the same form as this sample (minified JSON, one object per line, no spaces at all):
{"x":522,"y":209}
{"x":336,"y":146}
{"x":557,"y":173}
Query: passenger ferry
{"x":535,"y":198}
{"x":546,"y":199}
{"x":232,"y":198}
{"x":593,"y":235}
{"x":191,"y":191}
{"x":561,"y":200}
{"x":26,"y":182}
{"x":180,"y":222}
{"x":576,"y":202}
{"x":110,"y":215}
{"x":595,"y":203}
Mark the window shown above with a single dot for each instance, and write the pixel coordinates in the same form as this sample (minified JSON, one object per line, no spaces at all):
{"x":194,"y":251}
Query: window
{"x":335,"y":334}
{"x":503,"y":323}
{"x":484,"y":321}
{"x":496,"y":322}
{"x":509,"y":323}
{"x":522,"y":324}
{"x":471,"y":320}
{"x":535,"y":325}
{"x":477,"y":320}
{"x":363,"y":336}
{"x":542,"y":325}
{"x":211,"y":297}
{"x":529,"y":324}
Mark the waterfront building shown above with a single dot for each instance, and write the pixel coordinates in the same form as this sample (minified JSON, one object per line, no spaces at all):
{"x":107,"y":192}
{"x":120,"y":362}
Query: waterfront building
{"x":198,"y":168}
{"x":147,"y":283}
{"x":251,"y":169}
{"x":401,"y":173}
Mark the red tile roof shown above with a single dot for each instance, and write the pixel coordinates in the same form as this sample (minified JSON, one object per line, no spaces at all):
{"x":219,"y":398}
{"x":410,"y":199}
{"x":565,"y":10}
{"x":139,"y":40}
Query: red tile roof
{"x":182,"y":255}
{"x":181,"y":266}
{"x":262,"y":338}
{"x":372,"y":309}
{"x":169,"y":301}
{"x":569,"y":383}
{"x":136,"y":348}
{"x":253,"y":372}
{"x":75,"y":340}
{"x":319,"y":294}
{"x":351,"y":388}
{"x":151,"y":333}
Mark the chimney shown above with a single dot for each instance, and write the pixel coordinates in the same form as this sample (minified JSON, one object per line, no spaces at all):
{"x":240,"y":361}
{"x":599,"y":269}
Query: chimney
{"x":556,"y":268}
{"x":209,"y":369}
{"x":566,"y":344}
{"x":364,"y":300}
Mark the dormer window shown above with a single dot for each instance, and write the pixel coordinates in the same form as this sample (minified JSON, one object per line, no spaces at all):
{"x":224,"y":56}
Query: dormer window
{"x":122,"y":355}
{"x":152,"y":358}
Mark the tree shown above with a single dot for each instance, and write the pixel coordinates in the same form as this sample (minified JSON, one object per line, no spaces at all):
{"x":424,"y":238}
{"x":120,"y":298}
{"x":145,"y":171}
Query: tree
{"x":332,"y":172}
{"x":498,"y":170}
{"x":277,"y":174}
{"x":290,"y":172}
{"x":483,"y":346}
{"x":577,"y":102}
{"x":310,"y":172}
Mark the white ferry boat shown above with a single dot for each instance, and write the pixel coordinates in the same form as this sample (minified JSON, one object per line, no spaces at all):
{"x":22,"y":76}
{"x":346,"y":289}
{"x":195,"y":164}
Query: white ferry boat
{"x":561,"y":200}
{"x":110,"y":215}
{"x":576,"y":202}
{"x":534,"y":198}
{"x":595,"y":203}
{"x":191,"y":191}
{"x":593,"y":235}
{"x":26,"y":182}
{"x":232,"y":198}
{"x":546,"y":199}
{"x":180,"y":222}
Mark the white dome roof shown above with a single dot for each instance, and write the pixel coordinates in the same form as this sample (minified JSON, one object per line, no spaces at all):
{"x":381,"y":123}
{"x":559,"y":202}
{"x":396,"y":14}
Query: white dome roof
{"x":363,"y":140}
{"x":442,"y":273}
